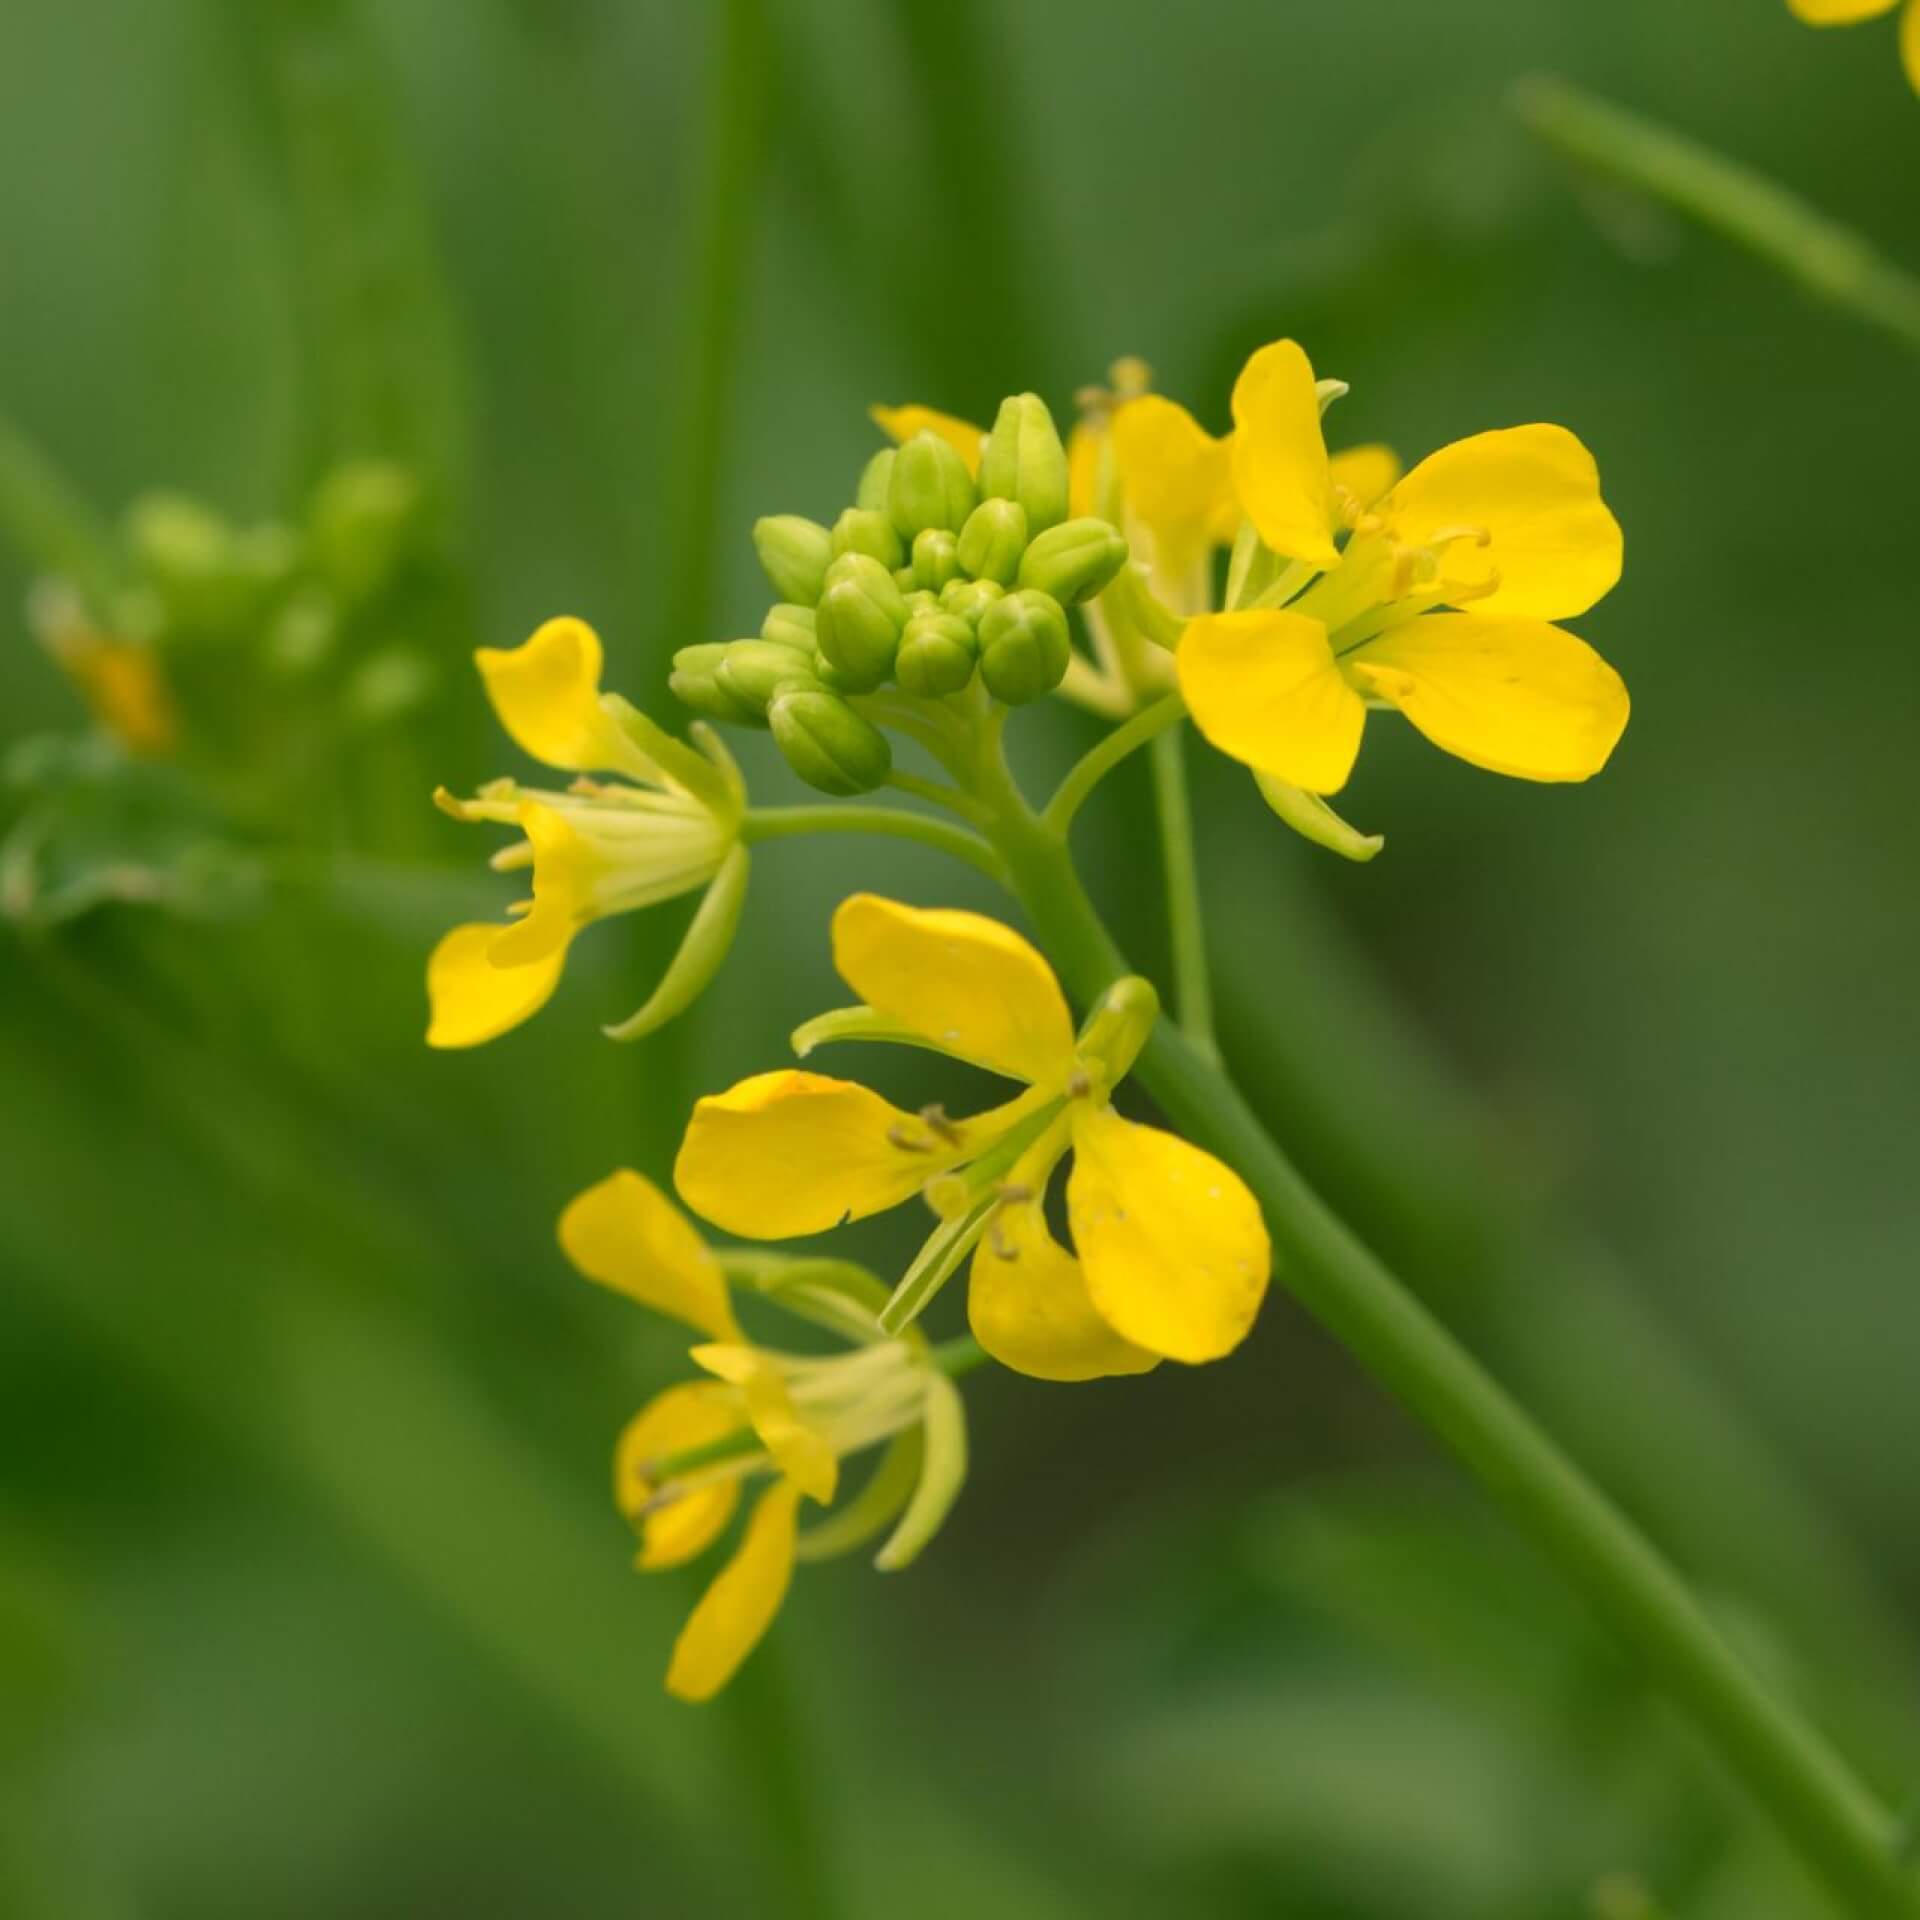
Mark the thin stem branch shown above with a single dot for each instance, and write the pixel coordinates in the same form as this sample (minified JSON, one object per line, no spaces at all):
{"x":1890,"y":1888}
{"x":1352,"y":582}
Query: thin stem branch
{"x":1099,"y":761}
{"x":935,"y":792}
{"x":783,"y":823}
{"x":1186,"y":923}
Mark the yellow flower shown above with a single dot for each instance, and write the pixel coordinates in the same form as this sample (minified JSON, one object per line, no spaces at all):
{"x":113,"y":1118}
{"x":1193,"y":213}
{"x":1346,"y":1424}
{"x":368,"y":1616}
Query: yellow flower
{"x":120,"y":680}
{"x":1509,"y":525}
{"x":1844,"y":13}
{"x":680,"y":1463}
{"x":1171,"y":1256}
{"x":668,"y":826}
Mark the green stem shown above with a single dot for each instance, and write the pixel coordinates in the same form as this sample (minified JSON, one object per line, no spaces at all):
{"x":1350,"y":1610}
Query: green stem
{"x":1784,"y":1761}
{"x":1098,"y":762}
{"x":958,"y":1357}
{"x":1756,"y":213}
{"x":785,"y":823}
{"x":1192,"y":986}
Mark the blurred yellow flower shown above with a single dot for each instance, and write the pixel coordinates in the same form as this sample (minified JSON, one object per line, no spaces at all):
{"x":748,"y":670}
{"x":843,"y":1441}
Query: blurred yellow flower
{"x":1844,"y":13}
{"x":1171,"y":1255}
{"x":120,"y":680}
{"x":1510,"y":524}
{"x":668,"y":826}
{"x":902,"y":423}
{"x":680,"y":1463}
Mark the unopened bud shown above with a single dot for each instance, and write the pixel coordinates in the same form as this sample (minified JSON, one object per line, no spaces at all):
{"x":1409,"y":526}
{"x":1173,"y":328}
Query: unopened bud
{"x":936,"y":557}
{"x":1073,"y":561}
{"x":969,"y":599}
{"x":795,"y":553}
{"x":936,"y":656}
{"x":755,"y":670}
{"x":827,"y":744}
{"x":695,"y":683}
{"x":872,"y":492}
{"x":1025,"y":461}
{"x":859,"y":621}
{"x":789,"y":626}
{"x":1024,"y":647}
{"x":860,"y":530}
{"x":929,"y":486}
{"x":993,"y":540}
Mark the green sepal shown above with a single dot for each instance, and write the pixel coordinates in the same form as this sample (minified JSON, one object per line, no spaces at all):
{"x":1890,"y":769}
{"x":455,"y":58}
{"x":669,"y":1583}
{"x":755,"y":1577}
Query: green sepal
{"x":859,"y":620}
{"x":753,"y":671}
{"x":1119,"y":1026}
{"x":1025,"y":460}
{"x":694,"y":682}
{"x":1309,"y":815}
{"x":678,"y":761}
{"x":874,"y":476}
{"x":787,"y":625}
{"x":836,"y":1294}
{"x":827,"y":744}
{"x":861,"y":530}
{"x":936,"y":558}
{"x":888,"y":1489}
{"x":969,"y":599}
{"x":1024,"y":647}
{"x":1073,"y":561}
{"x":862,"y":1023}
{"x":993,"y":540}
{"x":705,"y":947}
{"x":929,"y":487}
{"x":937,"y":654}
{"x":795,"y":553}
{"x":943,"y":1472}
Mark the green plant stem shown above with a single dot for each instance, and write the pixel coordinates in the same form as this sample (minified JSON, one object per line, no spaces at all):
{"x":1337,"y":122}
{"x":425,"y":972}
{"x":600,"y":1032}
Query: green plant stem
{"x":1099,"y":761}
{"x":782,"y":823}
{"x":1756,"y":213}
{"x":1192,"y":985}
{"x":1842,"y":1831}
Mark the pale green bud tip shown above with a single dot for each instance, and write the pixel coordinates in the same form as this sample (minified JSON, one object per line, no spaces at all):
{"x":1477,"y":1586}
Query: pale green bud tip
{"x":929,"y":487}
{"x":859,"y":620}
{"x":993,"y":540}
{"x":795,"y":552}
{"x":789,"y":626}
{"x":860,"y":530}
{"x":936,"y":655}
{"x":1074,"y":561}
{"x":827,"y":744}
{"x":969,"y":599}
{"x":874,"y":476}
{"x":695,"y":683}
{"x":1025,"y":460}
{"x":936,"y":558}
{"x":1024,"y":647}
{"x":753,"y":671}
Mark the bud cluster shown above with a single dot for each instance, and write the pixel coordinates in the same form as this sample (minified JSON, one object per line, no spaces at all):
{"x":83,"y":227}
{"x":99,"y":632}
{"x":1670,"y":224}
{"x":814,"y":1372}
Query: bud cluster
{"x":932,"y":575}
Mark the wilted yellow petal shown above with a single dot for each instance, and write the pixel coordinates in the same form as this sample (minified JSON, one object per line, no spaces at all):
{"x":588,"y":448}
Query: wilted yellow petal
{"x":626,"y":1234}
{"x":1263,"y":686}
{"x":1514,"y":696}
{"x":1363,"y":474}
{"x":547,"y":696}
{"x":471,"y":999}
{"x":1839,"y":13}
{"x":1177,"y":478}
{"x":802,"y":1454}
{"x":1029,"y":1307}
{"x":967,"y":983}
{"x":694,"y":1414}
{"x":1534,"y":493}
{"x":1280,"y":468}
{"x":740,"y":1605}
{"x":1172,"y":1244}
{"x":790,"y":1153}
{"x":902,"y":423}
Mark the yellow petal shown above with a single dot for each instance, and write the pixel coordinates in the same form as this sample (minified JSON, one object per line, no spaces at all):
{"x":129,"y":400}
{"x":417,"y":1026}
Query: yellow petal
{"x":1910,"y":43}
{"x":1363,"y":474}
{"x":1839,"y":13}
{"x":802,"y":1454}
{"x":1263,"y":686}
{"x":1535,"y":493}
{"x":969,"y":984}
{"x":1172,"y":1243}
{"x":473,"y":1000}
{"x":562,"y":869}
{"x":1280,"y":468}
{"x":902,"y":423}
{"x":694,"y":1414}
{"x":1178,"y":479}
{"x":626,"y":1234}
{"x":739,"y":1607}
{"x":1029,"y":1307}
{"x":547,"y":696}
{"x":1514,"y":696}
{"x":790,"y":1153}
{"x":1083,"y":470}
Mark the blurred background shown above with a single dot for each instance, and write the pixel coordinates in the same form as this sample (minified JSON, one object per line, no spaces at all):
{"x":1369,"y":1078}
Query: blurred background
{"x":457,"y":315}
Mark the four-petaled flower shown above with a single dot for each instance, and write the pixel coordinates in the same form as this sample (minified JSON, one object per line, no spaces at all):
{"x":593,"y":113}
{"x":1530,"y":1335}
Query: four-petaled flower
{"x":680,"y":1463}
{"x":669,"y":825}
{"x":1845,"y":13}
{"x":1171,"y":1255}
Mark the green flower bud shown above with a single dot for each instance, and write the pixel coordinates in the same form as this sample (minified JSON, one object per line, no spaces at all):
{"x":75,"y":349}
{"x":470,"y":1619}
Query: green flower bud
{"x":795,"y":553}
{"x":860,"y":531}
{"x":694,"y":683}
{"x":1025,"y":461}
{"x":1024,"y":647}
{"x":993,"y":540}
{"x":830,"y":676}
{"x":789,"y":626}
{"x":905,"y":579}
{"x":1073,"y":561}
{"x":936,"y":655}
{"x":921,"y":601}
{"x":936,"y":557}
{"x":753,"y":671}
{"x":969,"y":599}
{"x":827,"y":744}
{"x":929,"y":486}
{"x":859,"y":620}
{"x":872,"y":493}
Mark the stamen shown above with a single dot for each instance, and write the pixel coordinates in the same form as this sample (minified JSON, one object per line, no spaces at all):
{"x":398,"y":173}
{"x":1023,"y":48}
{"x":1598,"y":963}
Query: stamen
{"x":936,"y":1122}
{"x":1080,"y":1085}
{"x":898,"y":1136}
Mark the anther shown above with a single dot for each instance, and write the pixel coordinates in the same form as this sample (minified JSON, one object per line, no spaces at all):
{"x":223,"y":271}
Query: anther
{"x":1080,"y":1085}
{"x":936,"y":1122}
{"x":898,"y":1136}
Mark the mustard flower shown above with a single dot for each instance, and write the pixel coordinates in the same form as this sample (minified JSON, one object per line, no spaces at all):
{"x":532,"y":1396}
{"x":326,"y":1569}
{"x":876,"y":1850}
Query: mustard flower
{"x":682,"y":1461}
{"x":1435,"y":595}
{"x":1845,"y":13}
{"x":1171,"y":1257}
{"x":668,"y":826}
